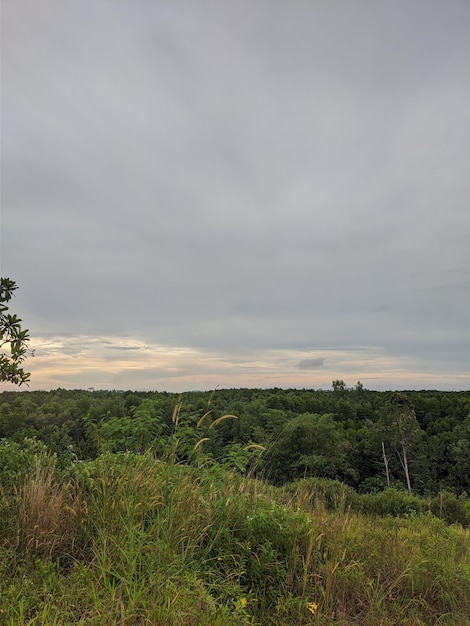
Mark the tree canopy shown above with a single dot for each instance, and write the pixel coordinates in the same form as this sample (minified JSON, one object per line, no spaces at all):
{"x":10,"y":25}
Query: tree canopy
{"x":13,"y":338}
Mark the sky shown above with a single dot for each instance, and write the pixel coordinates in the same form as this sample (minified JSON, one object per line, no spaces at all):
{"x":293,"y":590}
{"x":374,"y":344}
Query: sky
{"x":229,"y":193}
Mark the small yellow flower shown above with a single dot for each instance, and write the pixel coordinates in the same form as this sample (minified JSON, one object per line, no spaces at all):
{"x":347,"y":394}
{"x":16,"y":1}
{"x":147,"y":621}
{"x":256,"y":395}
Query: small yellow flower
{"x":312,"y":607}
{"x":243,"y":601}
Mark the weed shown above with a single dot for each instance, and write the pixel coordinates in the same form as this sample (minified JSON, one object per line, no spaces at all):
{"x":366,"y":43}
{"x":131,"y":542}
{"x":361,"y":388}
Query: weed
{"x":127,"y":539}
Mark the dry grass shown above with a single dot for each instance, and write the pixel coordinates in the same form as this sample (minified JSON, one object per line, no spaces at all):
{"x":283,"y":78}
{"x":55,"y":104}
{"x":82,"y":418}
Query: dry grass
{"x":167,"y":544}
{"x":49,"y":515}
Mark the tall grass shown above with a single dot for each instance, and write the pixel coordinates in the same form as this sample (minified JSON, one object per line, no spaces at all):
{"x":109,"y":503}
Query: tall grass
{"x":127,"y":539}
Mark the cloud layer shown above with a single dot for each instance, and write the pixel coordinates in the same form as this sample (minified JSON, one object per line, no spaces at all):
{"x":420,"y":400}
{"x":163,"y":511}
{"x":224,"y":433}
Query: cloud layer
{"x":230,"y":180}
{"x":109,"y":362}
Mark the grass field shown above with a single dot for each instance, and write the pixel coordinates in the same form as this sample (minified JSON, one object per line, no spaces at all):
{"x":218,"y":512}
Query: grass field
{"x":127,"y":539}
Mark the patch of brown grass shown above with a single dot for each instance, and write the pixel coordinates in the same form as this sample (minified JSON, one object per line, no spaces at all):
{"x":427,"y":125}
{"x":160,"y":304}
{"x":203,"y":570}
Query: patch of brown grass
{"x":49,"y":515}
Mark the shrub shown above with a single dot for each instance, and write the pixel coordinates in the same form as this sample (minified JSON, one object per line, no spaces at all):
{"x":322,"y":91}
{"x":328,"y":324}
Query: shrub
{"x":451,"y":508}
{"x":333,"y":494}
{"x":392,"y":502}
{"x":18,"y":461}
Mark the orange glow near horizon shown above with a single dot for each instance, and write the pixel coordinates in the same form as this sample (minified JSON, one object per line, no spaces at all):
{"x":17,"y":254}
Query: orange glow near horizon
{"x":126,"y":363}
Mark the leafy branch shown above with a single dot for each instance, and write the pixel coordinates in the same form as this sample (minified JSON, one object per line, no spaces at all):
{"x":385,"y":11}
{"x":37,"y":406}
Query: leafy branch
{"x":12,"y":337}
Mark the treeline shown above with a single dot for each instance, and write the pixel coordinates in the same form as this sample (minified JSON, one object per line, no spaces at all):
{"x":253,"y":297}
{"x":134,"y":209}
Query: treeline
{"x":369,"y":440}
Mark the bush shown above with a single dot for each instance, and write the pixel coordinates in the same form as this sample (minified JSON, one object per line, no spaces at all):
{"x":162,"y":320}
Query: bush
{"x":373,"y":484}
{"x":452,"y":509}
{"x":17,"y":461}
{"x":158,"y":543}
{"x":392,"y":502}
{"x":333,"y":494}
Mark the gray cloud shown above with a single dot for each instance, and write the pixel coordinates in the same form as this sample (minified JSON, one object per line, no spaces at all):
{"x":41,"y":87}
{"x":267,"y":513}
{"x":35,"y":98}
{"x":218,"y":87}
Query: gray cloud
{"x":311,"y":364}
{"x":240,"y":177}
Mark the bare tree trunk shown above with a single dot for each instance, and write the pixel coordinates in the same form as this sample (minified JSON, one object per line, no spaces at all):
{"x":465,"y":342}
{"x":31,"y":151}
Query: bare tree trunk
{"x":405,"y":467}
{"x":387,"y":473}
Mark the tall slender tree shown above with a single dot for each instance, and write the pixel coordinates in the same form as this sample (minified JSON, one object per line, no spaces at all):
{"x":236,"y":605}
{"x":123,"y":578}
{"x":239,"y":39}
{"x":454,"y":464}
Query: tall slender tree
{"x":400,"y":431}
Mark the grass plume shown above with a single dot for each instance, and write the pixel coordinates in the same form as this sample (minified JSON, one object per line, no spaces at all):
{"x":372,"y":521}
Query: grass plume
{"x":128,"y":539}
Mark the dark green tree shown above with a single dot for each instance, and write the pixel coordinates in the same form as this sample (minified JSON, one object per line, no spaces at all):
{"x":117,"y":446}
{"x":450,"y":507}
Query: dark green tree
{"x":309,"y":445}
{"x":339,"y":386}
{"x":459,"y":453}
{"x":13,"y":339}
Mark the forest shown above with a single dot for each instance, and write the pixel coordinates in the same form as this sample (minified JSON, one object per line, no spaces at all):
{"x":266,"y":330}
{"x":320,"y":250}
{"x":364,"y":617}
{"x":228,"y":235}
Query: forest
{"x":369,"y":440}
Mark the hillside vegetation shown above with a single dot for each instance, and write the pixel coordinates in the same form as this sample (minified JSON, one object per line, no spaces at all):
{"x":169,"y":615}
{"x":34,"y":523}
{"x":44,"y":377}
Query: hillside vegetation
{"x":340,"y":434}
{"x":128,"y":539}
{"x":133,"y":508}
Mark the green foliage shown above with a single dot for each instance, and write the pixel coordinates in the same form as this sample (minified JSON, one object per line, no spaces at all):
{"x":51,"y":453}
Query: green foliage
{"x":18,"y":460}
{"x":85,"y":424}
{"x":246,"y":459}
{"x":309,"y":445}
{"x":339,"y":386}
{"x":372,"y":484}
{"x":141,"y":507}
{"x":398,"y":431}
{"x":394,"y":502}
{"x":332,"y":494}
{"x":13,"y":337}
{"x":459,"y":454}
{"x":451,"y":508}
{"x":128,"y":539}
{"x":137,"y":432}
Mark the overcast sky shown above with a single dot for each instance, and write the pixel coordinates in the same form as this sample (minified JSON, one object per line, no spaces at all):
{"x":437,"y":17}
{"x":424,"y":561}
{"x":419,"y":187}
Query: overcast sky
{"x":238,"y":193}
